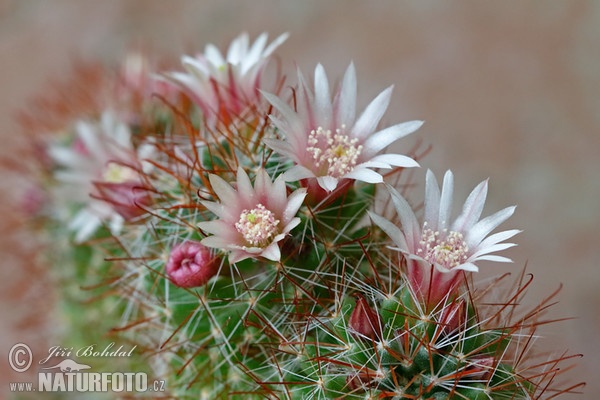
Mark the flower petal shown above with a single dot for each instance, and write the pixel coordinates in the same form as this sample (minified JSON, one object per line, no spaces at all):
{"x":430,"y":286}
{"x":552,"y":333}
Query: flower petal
{"x":370,"y":117}
{"x":391,"y":230}
{"x":322,"y":108}
{"x":446,"y":201}
{"x":472,"y":208}
{"x":364,"y":175}
{"x":486,"y":225}
{"x":345,"y":102}
{"x":412,"y":231}
{"x":380,"y":140}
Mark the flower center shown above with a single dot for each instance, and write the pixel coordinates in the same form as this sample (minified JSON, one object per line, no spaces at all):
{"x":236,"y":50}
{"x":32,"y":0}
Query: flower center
{"x":115,"y":173}
{"x":335,"y":152}
{"x":258,"y":226}
{"x":447,"y":249}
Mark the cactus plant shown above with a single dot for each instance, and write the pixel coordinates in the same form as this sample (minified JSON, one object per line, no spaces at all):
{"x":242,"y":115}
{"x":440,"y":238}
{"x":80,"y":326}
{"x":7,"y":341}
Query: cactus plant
{"x":257,"y":242}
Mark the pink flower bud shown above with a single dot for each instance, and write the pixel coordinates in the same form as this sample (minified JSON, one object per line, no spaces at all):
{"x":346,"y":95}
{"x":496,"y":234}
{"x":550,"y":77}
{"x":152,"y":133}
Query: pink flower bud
{"x":191,"y":264}
{"x":127,"y":198}
{"x":481,"y":367}
{"x":365,"y":321}
{"x":453,"y":316}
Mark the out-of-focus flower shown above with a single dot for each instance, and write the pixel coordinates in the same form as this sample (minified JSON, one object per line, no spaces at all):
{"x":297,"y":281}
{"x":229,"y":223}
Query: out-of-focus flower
{"x":438,"y":250}
{"x":252,"y":219}
{"x":191,"y":264}
{"x":223,"y":86}
{"x":326,"y":140}
{"x":100,"y":157}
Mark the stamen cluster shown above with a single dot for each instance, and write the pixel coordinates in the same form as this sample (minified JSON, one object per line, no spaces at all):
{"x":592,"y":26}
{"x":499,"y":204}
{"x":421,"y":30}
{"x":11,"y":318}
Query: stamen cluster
{"x":446,"y":248}
{"x":257,"y":225}
{"x":336,"y":151}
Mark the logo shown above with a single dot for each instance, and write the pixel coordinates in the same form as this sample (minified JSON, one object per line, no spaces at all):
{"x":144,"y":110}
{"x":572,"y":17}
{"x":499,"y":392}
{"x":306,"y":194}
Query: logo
{"x":68,"y":375}
{"x":20,"y":357}
{"x":69,"y":366}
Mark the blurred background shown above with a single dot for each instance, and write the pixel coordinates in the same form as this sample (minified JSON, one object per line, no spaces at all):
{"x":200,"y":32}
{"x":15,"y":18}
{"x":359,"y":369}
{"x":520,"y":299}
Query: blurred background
{"x":509,"y":90}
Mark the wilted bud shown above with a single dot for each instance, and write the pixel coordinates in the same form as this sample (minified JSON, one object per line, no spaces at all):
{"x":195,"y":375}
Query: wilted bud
{"x":127,"y":198}
{"x":452,"y":316}
{"x":191,"y":264}
{"x":365,"y":321}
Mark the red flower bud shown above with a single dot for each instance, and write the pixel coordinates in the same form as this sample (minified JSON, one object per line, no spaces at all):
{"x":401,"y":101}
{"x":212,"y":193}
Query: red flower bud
{"x":365,"y":321}
{"x":191,"y":264}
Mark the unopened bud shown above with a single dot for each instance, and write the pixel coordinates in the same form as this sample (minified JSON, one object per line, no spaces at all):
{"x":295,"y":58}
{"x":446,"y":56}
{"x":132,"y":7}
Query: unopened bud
{"x":191,"y":264}
{"x":365,"y":321}
{"x":481,"y":367}
{"x":452,"y":316}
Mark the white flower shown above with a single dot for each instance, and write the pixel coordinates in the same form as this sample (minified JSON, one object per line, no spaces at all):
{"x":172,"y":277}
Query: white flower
{"x":230,"y":83}
{"x":326,"y":140}
{"x":101,"y":152}
{"x":252,"y":219}
{"x":449,"y":246}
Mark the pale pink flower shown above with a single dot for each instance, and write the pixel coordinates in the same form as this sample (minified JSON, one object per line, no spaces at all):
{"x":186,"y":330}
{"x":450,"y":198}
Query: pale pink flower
{"x":191,"y":264}
{"x":439,"y":249}
{"x":325,"y":139}
{"x":226,"y":84}
{"x":252,"y":219}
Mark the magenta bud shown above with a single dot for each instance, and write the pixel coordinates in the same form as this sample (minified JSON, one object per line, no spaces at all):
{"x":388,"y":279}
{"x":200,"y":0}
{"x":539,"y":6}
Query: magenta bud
{"x":365,"y":321}
{"x":191,"y":264}
{"x":452,"y":316}
{"x":127,"y":198}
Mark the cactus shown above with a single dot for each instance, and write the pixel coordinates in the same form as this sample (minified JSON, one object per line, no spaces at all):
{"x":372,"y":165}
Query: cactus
{"x":257,"y":242}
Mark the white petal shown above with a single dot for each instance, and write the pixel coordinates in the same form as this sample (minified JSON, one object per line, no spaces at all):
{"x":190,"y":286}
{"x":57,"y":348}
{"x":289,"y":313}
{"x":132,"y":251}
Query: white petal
{"x":369,"y":119}
{"x":294,"y":203}
{"x":472,"y":208}
{"x":296,"y":173}
{"x":329,"y":183}
{"x":397,"y":160}
{"x":498,"y":237}
{"x":492,"y":249}
{"x":364,"y":175}
{"x":272,"y":252}
{"x":216,"y":242}
{"x":346,"y":100}
{"x":238,"y":255}
{"x":322,"y":107}
{"x":412,"y":231}
{"x":432,"y":200}
{"x":467,"y":267}
{"x":291,"y":225}
{"x":222,"y":189}
{"x":275,"y":44}
{"x":486,"y":225}
{"x":192,"y":64}
{"x":244,"y":186}
{"x":275,"y":194}
{"x":391,"y":230}
{"x":495,"y":258}
{"x":281,"y":147}
{"x":446,"y":201}
{"x":380,"y":140}
{"x":213,"y":55}
{"x":216,"y":227}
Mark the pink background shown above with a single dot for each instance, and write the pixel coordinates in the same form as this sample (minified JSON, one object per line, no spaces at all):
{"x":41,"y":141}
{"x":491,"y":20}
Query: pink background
{"x":509,"y":90}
